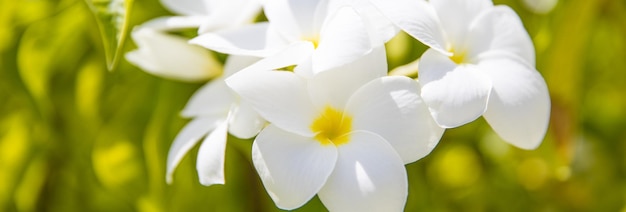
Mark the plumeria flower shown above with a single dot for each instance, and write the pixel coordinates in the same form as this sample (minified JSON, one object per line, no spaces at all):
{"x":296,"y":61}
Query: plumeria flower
{"x":343,"y":134}
{"x":337,"y":32}
{"x":215,"y":110}
{"x":170,"y":56}
{"x":481,"y":62}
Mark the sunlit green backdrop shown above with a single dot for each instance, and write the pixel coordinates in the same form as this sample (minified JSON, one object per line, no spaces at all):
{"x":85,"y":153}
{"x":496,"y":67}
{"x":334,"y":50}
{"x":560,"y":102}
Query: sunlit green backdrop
{"x":76,"y":137}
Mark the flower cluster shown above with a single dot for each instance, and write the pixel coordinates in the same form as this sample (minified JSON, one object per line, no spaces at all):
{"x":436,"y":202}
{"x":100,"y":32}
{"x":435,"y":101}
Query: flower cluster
{"x":312,"y":85}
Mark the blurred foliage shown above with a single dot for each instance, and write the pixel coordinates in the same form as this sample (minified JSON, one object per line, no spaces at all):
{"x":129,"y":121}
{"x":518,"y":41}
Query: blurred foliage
{"x":74,"y":137}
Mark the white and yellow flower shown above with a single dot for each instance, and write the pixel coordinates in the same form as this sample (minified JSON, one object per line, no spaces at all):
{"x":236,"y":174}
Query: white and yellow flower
{"x":343,"y":134}
{"x":481,"y":63}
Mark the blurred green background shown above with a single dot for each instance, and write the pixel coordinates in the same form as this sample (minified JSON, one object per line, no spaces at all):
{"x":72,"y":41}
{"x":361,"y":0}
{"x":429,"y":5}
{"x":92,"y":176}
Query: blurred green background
{"x":76,"y":137}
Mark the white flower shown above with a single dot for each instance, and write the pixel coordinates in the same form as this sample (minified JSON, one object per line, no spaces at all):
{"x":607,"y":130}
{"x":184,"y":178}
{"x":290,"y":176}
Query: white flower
{"x":343,"y":134}
{"x":481,"y":62}
{"x":170,"y":56}
{"x":216,"y":110}
{"x":335,"y":31}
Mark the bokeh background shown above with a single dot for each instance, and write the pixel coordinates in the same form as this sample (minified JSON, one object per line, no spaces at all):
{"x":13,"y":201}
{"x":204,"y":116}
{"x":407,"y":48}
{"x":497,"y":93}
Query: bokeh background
{"x":77,"y":137}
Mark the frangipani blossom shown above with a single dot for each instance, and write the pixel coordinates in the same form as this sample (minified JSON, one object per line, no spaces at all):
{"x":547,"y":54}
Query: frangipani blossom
{"x":215,"y":110}
{"x":343,"y":134}
{"x":337,"y":32}
{"x":170,"y":56}
{"x":481,"y":62}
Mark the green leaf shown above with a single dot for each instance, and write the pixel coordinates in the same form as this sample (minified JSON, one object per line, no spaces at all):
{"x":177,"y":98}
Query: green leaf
{"x":112,"y":17}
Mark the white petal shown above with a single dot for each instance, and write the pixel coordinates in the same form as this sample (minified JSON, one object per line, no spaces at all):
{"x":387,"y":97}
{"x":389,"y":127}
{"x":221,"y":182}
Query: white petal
{"x":455,"y":95}
{"x":456,"y":16}
{"x":173,"y":23}
{"x":541,"y":7}
{"x":519,"y":106}
{"x":417,"y":18}
{"x":245,"y":122}
{"x":186,"y":139}
{"x":369,"y":176}
{"x":210,"y":163}
{"x":508,"y":32}
{"x":293,"y":168}
{"x":305,"y":68}
{"x":294,"y":19}
{"x":171,"y":56}
{"x":279,"y":96}
{"x":343,"y":39}
{"x":294,"y":54}
{"x":321,"y":13}
{"x":214,"y":98}
{"x":235,"y":63}
{"x":188,"y":7}
{"x":258,"y":40}
{"x":392,"y":108}
{"x":229,"y":14}
{"x":335,"y":86}
{"x":382,"y":25}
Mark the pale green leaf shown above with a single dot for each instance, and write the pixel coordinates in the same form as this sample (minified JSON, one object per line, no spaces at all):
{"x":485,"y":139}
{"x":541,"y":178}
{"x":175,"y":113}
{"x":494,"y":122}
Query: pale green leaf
{"x":112,"y":17}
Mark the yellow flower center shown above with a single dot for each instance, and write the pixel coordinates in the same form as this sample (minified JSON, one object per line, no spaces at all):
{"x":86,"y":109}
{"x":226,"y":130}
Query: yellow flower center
{"x":332,"y":127}
{"x":458,"y":57}
{"x":313,"y":39}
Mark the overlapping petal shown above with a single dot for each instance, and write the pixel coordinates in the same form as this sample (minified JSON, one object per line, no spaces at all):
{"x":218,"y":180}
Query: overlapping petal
{"x":244,"y":121}
{"x":344,"y":38}
{"x":186,"y":139}
{"x":519,"y":106}
{"x":456,"y":16}
{"x":417,"y":18}
{"x":392,"y":108}
{"x":293,"y":168}
{"x":294,"y":54}
{"x":214,"y":98}
{"x":210,"y":162}
{"x":281,"y":97}
{"x":188,"y":7}
{"x":509,"y":35}
{"x":236,"y":63}
{"x":258,"y":40}
{"x":229,"y":14}
{"x":378,"y":22}
{"x":170,"y":23}
{"x":293,"y":18}
{"x":334,"y":87}
{"x":369,"y":176}
{"x":455,"y":94}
